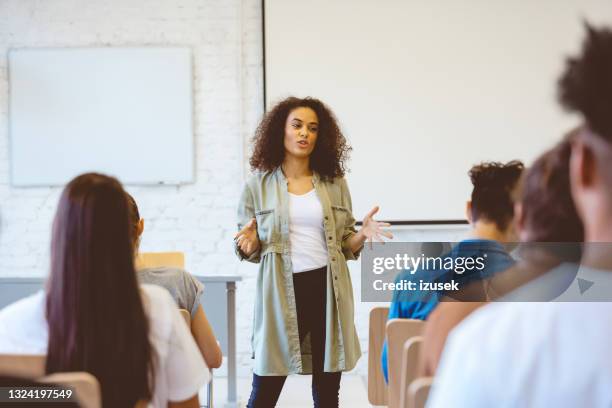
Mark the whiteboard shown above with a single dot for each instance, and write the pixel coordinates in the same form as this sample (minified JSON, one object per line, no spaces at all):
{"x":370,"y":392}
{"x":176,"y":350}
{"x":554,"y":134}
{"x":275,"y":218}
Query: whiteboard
{"x":120,"y":111}
{"x":423,"y":90}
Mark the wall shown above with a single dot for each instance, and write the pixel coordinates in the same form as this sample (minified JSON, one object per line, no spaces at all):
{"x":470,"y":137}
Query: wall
{"x":199,"y":219}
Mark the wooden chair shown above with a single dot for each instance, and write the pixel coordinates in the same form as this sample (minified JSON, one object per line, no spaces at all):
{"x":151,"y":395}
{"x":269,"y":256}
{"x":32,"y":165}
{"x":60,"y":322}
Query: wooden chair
{"x":22,"y":366}
{"x":32,"y":367}
{"x":157,"y":259}
{"x":418,"y":391}
{"x":398,"y":332}
{"x":85,"y":386}
{"x":377,"y":388}
{"x":409,"y":368}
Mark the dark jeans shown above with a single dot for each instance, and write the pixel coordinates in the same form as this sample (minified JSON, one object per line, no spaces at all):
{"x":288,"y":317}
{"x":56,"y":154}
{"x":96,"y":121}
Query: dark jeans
{"x":310,"y":293}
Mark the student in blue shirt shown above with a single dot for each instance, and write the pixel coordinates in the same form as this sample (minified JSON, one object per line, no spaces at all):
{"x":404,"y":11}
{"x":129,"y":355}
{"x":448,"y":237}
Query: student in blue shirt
{"x":490,"y":213}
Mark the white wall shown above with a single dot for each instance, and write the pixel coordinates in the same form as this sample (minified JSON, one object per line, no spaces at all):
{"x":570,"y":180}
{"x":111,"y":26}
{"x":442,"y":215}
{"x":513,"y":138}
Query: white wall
{"x":199,"y":219}
{"x":415,"y":82}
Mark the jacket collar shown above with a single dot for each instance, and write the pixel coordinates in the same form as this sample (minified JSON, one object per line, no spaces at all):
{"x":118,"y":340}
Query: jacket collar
{"x":278,"y":173}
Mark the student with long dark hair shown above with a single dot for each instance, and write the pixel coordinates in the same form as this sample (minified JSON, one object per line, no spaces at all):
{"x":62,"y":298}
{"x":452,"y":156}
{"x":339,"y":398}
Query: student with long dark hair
{"x":95,"y":318}
{"x":296,"y":221}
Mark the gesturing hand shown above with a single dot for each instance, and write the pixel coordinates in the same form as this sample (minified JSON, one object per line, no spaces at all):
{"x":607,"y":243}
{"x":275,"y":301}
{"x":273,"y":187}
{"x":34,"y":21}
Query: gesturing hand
{"x":372,"y":230}
{"x":247,"y":239}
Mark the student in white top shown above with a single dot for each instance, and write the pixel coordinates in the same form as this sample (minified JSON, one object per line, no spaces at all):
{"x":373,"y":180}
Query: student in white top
{"x":93,"y":317}
{"x":550,"y":354}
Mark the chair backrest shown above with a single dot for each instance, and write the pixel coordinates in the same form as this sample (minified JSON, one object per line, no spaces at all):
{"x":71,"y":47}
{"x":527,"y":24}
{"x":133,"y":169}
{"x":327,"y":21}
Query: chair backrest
{"x":157,"y":259}
{"x":85,"y":386}
{"x":418,"y":391}
{"x":22,"y":366}
{"x":377,"y":388}
{"x":409,"y":367}
{"x":187,"y":316}
{"x":32,"y":367}
{"x":398,"y":332}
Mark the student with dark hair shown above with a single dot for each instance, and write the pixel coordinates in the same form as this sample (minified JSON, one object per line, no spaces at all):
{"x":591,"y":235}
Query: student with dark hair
{"x":558,"y":353}
{"x":546,"y":221}
{"x":490,"y":212}
{"x":296,"y":221}
{"x":94,"y":317}
{"x":491,"y":208}
{"x":546,"y":210}
{"x":184,"y":288}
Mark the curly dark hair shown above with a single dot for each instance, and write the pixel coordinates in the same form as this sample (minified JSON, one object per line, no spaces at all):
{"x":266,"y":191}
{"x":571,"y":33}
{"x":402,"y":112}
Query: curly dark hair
{"x":331,"y":150}
{"x":586,"y":84}
{"x":493,"y":194}
{"x":548,"y":207}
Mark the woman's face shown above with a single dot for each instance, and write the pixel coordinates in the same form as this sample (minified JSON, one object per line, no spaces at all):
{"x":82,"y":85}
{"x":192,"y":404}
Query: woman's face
{"x":301,"y":130}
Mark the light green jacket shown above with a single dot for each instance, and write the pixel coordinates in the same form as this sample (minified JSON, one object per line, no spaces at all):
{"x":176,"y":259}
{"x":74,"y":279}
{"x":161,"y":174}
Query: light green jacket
{"x":275,"y":340}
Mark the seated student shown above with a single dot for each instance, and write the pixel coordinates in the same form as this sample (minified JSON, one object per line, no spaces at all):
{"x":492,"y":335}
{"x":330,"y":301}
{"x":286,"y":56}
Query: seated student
{"x":554,"y":354}
{"x":184,"y":288}
{"x":94,"y":317}
{"x":544,"y":214}
{"x":490,"y":213}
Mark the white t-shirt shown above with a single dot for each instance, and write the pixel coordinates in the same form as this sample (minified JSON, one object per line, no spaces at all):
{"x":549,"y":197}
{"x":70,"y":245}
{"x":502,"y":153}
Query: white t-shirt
{"x":306,"y":233}
{"x":515,"y":354}
{"x":181,"y":370}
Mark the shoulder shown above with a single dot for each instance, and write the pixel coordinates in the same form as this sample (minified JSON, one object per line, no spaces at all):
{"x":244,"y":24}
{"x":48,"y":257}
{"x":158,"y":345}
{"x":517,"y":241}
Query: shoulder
{"x":23,"y":326}
{"x":494,"y":328}
{"x":180,"y":283}
{"x":156,"y":299}
{"x":494,"y":314}
{"x":165,"y":272}
{"x":262,"y":184}
{"x":28,"y":305}
{"x":259,"y":178}
{"x":339,"y":182}
{"x":337,"y":187}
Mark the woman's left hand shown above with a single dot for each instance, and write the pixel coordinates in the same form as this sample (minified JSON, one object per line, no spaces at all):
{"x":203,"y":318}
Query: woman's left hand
{"x":372,"y":230}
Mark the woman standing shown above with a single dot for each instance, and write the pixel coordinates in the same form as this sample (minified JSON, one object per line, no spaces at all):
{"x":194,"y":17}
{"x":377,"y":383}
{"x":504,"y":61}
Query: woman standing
{"x":295,"y":219}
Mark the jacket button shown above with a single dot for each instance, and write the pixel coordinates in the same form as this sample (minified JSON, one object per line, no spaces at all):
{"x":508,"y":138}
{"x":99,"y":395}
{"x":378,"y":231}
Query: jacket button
{"x":329,"y":238}
{"x":334,"y":259}
{"x":326,"y":218}
{"x":335,"y":278}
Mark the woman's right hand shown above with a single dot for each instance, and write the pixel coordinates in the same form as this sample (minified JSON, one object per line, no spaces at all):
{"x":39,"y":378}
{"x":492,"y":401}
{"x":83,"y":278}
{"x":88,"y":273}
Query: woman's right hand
{"x":246,"y":239}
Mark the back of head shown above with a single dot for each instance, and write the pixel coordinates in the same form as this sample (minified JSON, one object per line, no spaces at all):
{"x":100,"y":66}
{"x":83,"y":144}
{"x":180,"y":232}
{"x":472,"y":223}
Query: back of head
{"x":134,"y":219}
{"x":548,"y":210}
{"x":586,"y":84}
{"x":96,"y":319}
{"x":493,"y":193}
